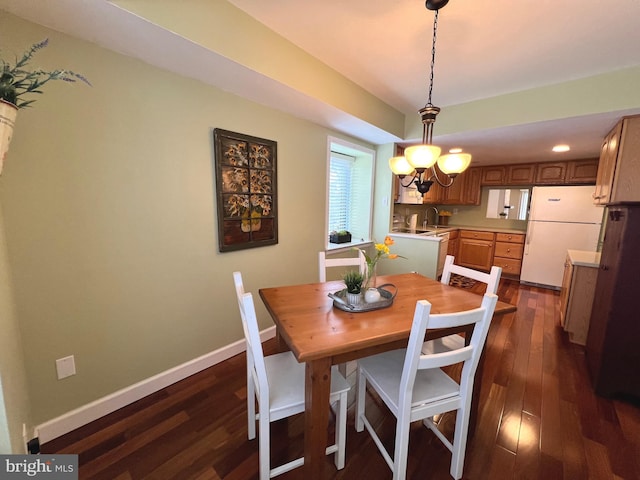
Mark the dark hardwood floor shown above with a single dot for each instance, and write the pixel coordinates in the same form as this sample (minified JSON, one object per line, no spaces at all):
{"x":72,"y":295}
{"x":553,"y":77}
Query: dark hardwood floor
{"x":538,"y":419}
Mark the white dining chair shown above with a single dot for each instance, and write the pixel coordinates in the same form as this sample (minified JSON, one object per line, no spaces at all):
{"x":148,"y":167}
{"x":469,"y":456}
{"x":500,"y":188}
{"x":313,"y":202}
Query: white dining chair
{"x":414,"y":387}
{"x":324,"y":263}
{"x":277,"y":383}
{"x":491,"y":279}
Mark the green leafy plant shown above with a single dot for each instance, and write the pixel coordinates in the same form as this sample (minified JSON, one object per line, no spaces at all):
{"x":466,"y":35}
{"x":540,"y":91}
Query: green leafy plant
{"x":16,"y":80}
{"x":353,"y":280}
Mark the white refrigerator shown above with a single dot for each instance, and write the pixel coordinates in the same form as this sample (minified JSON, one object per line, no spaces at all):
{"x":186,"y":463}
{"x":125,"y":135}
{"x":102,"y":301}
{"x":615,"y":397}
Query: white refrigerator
{"x":560,"y":219}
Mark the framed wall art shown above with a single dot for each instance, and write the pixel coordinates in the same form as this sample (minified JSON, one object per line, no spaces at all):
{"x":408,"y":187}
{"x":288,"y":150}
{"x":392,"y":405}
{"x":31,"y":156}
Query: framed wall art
{"x":246,"y":190}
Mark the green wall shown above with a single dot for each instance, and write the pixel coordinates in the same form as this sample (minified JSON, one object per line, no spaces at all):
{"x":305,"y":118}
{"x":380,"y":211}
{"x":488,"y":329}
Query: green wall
{"x":14,"y":399}
{"x":108,"y":247}
{"x":110,"y":222}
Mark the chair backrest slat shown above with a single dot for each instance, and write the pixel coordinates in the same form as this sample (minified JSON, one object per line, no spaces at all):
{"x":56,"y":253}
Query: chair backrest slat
{"x":492,"y":279}
{"x":469,"y":354}
{"x":324,"y":263}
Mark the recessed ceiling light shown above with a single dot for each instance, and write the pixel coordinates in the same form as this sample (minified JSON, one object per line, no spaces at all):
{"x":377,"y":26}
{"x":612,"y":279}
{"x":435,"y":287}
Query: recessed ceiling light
{"x":561,"y":148}
{"x":455,"y":150}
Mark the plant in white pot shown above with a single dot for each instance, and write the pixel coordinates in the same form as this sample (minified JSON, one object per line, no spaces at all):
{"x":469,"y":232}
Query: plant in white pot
{"x":353,"y":280}
{"x":16,"y":81}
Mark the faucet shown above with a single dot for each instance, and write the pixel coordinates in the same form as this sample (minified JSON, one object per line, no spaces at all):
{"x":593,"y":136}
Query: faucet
{"x":435,"y":218}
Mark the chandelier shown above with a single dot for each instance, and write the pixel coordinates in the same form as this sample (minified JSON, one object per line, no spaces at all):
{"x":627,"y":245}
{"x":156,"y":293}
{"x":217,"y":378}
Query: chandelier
{"x":424,"y":160}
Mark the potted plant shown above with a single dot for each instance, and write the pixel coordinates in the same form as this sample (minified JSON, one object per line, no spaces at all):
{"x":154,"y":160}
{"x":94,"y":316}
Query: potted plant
{"x":353,"y":281}
{"x":16,"y":82}
{"x":341,"y":236}
{"x":444,"y":217}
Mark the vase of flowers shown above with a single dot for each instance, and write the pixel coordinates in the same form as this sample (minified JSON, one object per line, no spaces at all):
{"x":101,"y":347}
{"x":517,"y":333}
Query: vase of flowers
{"x":353,"y":280}
{"x":16,"y":82}
{"x":382,"y":251}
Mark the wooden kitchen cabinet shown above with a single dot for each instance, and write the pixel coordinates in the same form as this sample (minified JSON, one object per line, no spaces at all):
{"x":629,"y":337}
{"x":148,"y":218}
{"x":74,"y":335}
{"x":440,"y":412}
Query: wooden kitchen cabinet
{"x":475,"y":249}
{"x":435,"y":194}
{"x":576,"y":299}
{"x":573,"y":172}
{"x":518,"y":174}
{"x":618,"y":178}
{"x":453,"y":194}
{"x":472,"y":190}
{"x":509,"y":248}
{"x":452,"y":247}
{"x":551,"y":173}
{"x":582,"y":171}
{"x":494,"y":175}
{"x":466,"y":190}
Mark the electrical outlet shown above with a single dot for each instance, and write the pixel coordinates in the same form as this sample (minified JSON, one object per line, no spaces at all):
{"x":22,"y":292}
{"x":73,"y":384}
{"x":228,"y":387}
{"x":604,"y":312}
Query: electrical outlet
{"x":65,"y":367}
{"x":455,"y":211}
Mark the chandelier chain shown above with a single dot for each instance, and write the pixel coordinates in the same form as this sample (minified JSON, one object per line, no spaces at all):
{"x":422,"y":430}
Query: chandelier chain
{"x":433,"y":55}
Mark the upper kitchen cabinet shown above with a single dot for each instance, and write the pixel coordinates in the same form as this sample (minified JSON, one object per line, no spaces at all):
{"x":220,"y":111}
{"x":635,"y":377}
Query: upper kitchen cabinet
{"x":435,"y":194}
{"x":582,"y":171}
{"x":574,"y":172}
{"x":494,"y":175}
{"x":551,"y":173}
{"x":465,"y":190}
{"x":472,"y":189}
{"x":518,"y":174}
{"x":619,"y":168}
{"x":524,"y":174}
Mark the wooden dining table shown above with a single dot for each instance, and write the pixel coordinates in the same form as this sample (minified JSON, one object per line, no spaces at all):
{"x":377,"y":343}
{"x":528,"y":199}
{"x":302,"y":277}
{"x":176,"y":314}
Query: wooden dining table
{"x":321,"y":335}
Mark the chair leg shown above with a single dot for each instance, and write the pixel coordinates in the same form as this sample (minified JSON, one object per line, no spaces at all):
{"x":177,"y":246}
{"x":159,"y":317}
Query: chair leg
{"x":361,"y":387}
{"x":459,"y":442}
{"x":341,"y":431}
{"x":401,"y":452}
{"x":251,"y":408}
{"x":263,"y":447}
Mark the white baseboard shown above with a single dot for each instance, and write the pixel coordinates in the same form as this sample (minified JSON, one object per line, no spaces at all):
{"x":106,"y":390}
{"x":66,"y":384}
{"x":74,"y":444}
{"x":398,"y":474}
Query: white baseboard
{"x":99,"y":408}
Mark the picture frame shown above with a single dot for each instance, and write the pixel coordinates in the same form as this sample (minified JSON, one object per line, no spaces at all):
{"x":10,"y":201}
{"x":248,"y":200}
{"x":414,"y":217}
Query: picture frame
{"x":246,"y":190}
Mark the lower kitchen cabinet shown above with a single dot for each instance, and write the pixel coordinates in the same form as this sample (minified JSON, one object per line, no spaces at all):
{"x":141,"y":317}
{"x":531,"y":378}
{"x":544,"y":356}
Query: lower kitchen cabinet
{"x":508,"y":253}
{"x":475,"y":249}
{"x":452,"y":246}
{"x":576,"y":297}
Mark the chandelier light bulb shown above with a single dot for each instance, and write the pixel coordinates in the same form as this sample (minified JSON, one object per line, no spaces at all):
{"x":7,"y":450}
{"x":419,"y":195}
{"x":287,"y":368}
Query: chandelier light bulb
{"x":399,"y":166}
{"x":422,"y":156}
{"x":454,"y":163}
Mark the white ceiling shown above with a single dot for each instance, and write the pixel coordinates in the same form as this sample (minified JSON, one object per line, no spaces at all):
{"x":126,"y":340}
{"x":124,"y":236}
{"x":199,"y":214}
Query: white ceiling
{"x":483,"y":50}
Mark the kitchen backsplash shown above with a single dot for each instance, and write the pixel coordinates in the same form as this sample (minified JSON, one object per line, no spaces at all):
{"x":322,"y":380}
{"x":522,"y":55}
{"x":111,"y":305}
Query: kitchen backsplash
{"x":467,"y":215}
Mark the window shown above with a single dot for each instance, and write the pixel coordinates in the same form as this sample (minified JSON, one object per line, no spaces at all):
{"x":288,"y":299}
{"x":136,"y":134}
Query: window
{"x":350,"y":189}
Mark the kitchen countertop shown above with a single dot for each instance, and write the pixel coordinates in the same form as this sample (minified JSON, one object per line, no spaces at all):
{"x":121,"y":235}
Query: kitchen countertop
{"x":584,"y":258}
{"x":450,"y":228}
{"x":421,"y":235}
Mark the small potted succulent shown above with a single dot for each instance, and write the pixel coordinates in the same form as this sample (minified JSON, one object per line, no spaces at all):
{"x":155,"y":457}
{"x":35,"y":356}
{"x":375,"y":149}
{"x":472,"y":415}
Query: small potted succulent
{"x":341,"y":236}
{"x":353,"y":280}
{"x":15,"y":82}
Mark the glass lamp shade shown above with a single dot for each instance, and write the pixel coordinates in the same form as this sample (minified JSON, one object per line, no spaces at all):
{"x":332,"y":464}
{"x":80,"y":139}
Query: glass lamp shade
{"x":422,"y":156}
{"x":400,"y":166}
{"x":454,"y":163}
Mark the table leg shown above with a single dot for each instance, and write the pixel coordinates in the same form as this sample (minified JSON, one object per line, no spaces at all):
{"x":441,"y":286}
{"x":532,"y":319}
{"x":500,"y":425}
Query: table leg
{"x":316,"y":416}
